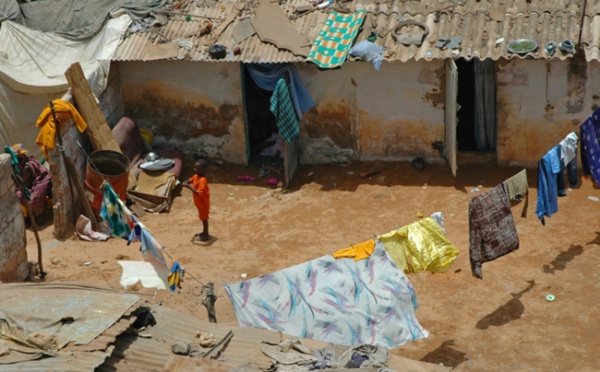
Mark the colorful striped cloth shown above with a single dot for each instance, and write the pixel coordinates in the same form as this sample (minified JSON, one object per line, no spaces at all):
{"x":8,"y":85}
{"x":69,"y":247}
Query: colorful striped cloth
{"x":119,"y":218}
{"x":283,"y":109}
{"x":342,"y":301}
{"x":335,"y":39}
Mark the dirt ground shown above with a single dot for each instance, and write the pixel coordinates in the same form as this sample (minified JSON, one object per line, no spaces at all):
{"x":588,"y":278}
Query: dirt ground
{"x":502,"y":322}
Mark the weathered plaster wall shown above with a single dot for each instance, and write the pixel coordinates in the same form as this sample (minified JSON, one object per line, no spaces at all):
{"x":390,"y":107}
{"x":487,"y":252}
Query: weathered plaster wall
{"x":394,"y":114}
{"x":194,"y":106}
{"x":13,"y":255}
{"x":539,"y":103}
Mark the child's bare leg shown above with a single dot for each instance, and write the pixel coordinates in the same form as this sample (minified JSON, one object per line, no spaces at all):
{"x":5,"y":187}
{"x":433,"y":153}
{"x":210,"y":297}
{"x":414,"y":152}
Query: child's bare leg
{"x":204,"y":235}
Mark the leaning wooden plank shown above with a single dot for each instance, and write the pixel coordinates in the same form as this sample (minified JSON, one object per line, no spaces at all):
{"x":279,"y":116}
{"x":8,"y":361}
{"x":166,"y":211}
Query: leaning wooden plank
{"x":98,"y":130}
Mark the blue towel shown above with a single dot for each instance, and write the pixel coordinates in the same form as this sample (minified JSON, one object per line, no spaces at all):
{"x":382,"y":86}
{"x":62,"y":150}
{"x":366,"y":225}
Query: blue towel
{"x":548,"y":169}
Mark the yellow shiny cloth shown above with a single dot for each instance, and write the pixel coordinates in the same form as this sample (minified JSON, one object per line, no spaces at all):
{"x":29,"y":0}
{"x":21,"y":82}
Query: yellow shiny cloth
{"x":63,"y":110}
{"x":358,"y":252}
{"x":420,"y":246}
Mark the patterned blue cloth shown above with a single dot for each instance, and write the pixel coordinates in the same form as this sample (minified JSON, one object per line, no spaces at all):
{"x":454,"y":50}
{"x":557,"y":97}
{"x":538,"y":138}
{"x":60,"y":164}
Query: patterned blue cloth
{"x":590,"y":138}
{"x":283,"y":109}
{"x":548,"y":169}
{"x":341,"y":301}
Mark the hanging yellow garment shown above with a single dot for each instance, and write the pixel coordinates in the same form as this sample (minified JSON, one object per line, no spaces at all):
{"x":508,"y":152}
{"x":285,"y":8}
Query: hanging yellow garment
{"x":63,"y":110}
{"x":420,"y":246}
{"x":358,"y":252}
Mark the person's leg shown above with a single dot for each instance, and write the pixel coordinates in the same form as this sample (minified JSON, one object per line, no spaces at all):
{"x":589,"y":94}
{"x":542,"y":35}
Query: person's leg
{"x":204,"y":236}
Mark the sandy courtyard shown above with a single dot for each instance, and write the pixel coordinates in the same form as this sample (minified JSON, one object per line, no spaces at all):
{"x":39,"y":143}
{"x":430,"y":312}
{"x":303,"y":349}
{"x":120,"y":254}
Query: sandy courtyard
{"x":500,"y":323}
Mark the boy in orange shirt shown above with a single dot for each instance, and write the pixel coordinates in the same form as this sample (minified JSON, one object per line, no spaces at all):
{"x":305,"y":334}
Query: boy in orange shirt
{"x":199,"y":186}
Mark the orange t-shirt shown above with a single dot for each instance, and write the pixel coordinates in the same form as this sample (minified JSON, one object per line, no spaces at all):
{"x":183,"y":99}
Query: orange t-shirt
{"x":202,"y":199}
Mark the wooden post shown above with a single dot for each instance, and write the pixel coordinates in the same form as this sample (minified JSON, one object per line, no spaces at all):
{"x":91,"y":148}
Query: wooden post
{"x":209,"y":302}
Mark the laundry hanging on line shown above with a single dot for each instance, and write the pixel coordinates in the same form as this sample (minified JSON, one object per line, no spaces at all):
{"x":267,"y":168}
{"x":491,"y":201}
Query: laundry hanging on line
{"x":549,"y":167}
{"x":517,"y":189}
{"x":119,"y":218}
{"x":420,"y":246}
{"x":492,"y":229}
{"x":590,"y":149}
{"x":176,"y":276}
{"x":359,"y":251}
{"x":340,"y":301}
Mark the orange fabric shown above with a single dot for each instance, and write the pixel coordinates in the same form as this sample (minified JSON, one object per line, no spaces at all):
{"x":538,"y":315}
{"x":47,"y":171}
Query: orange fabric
{"x":63,"y":110}
{"x":358,"y":252}
{"x":202,"y":199}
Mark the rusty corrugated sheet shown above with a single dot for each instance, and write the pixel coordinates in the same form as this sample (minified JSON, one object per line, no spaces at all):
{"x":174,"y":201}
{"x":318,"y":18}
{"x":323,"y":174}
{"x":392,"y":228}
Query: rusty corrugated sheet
{"x":142,"y":354}
{"x":479,"y":23}
{"x":85,"y":357}
{"x":80,"y":361}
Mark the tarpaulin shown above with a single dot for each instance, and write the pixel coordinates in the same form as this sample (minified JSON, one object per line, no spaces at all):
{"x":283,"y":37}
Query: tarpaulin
{"x":32,"y":68}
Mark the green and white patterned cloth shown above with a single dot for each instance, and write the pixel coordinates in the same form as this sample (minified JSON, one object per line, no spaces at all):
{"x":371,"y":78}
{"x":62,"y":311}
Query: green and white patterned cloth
{"x":283,"y":109}
{"x":335,"y":39}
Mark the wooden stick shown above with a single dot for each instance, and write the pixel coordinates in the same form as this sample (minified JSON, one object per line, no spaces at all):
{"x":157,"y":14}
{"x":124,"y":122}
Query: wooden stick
{"x":19,"y":183}
{"x":224,"y":341}
{"x":209,"y":302}
{"x":188,"y":14}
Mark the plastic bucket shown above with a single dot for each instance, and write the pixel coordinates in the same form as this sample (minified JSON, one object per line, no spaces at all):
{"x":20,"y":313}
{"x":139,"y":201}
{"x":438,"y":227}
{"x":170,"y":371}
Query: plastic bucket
{"x":106,"y":165}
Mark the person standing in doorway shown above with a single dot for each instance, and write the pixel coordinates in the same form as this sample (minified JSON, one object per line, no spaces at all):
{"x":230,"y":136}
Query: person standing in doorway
{"x":199,"y":186}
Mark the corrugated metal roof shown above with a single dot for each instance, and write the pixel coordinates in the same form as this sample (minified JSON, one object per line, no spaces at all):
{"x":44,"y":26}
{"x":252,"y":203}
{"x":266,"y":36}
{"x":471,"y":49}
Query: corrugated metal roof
{"x":478,"y":23}
{"x":140,"y":354}
{"x":84,"y":357}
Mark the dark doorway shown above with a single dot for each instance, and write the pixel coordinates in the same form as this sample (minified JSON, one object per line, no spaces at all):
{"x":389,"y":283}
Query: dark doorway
{"x":465,"y":129}
{"x":476,"y":129}
{"x":259,"y":118}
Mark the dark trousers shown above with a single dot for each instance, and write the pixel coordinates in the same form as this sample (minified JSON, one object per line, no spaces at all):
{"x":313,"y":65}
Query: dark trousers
{"x":572,"y":177}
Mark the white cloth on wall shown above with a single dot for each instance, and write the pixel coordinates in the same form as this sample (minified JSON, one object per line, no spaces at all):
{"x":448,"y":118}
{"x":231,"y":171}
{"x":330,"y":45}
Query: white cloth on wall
{"x":32,"y":73}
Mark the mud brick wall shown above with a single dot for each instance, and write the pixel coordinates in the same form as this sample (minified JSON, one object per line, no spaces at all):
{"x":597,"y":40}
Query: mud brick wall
{"x":111,"y":100}
{"x":67,"y":202}
{"x":13,"y":255}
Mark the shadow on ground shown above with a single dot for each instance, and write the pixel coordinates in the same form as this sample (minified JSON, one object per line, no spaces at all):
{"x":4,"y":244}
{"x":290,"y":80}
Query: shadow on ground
{"x":561,"y":260}
{"x":512,"y":310}
{"x":446,"y":355}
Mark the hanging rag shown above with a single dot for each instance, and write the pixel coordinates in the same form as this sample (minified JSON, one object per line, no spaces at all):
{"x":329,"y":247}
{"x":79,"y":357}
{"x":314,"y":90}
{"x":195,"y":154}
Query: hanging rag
{"x":492,"y":230}
{"x":282,"y":108}
{"x":590,"y":153}
{"x":548,"y":169}
{"x":63,"y":111}
{"x":420,"y":246}
{"x":517,"y":189}
{"x":119,"y":218}
{"x":151,"y":250}
{"x":358,"y":252}
{"x":175,"y":276}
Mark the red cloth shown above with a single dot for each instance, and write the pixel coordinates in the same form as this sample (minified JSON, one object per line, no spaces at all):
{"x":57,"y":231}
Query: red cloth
{"x":202,"y":199}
